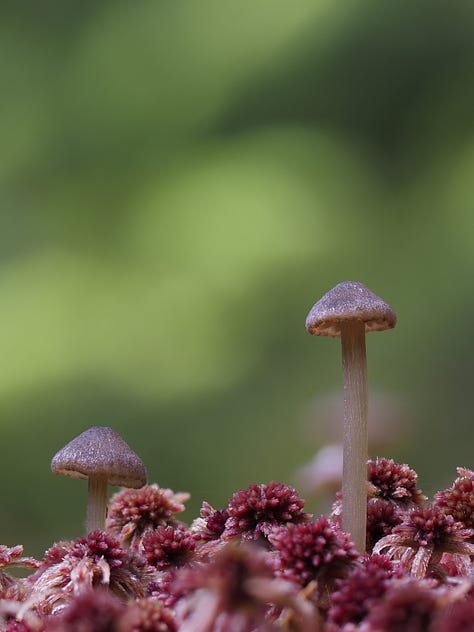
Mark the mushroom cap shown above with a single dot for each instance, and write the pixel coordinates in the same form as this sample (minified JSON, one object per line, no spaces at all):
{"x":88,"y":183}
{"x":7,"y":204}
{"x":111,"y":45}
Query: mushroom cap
{"x":349,"y":300}
{"x":99,"y":451}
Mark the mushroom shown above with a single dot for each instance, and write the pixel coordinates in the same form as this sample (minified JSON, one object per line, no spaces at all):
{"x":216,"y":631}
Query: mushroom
{"x":348,"y":311}
{"x":102,"y":456}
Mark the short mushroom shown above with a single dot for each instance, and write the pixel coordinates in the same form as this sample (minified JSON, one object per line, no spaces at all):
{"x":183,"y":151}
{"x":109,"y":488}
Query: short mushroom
{"x":348,"y":311}
{"x":102,"y":456}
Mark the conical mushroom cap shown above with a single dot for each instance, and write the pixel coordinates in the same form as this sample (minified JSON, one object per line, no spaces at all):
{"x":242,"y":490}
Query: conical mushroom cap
{"x":348,"y":301}
{"x":99,"y":451}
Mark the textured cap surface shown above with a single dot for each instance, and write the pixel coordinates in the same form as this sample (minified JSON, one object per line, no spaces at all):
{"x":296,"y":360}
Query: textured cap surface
{"x":99,"y":451}
{"x":348,"y":301}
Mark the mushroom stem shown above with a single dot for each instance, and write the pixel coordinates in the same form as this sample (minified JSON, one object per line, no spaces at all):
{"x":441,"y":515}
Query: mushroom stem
{"x":96,"y":503}
{"x":354,"y":477}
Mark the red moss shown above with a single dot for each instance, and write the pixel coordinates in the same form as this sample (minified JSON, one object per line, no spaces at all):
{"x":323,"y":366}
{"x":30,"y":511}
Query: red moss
{"x":98,"y":546}
{"x":313,"y":550}
{"x":170,"y":546}
{"x":394,"y":482}
{"x":91,"y":611}
{"x":12,"y":556}
{"x":455,"y":617}
{"x":19,"y":626}
{"x":382,"y":517}
{"x":255,"y":511}
{"x":422,"y":538}
{"x":148,"y":615}
{"x":405,"y":607}
{"x":430,"y":527}
{"x":211,"y":523}
{"x":93,"y":561}
{"x":133,"y":511}
{"x":458,"y":500}
{"x":361,"y":590}
{"x":227,"y":574}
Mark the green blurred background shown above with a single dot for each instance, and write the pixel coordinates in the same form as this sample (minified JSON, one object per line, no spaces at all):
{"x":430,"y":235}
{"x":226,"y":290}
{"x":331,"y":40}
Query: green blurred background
{"x":179,"y":183}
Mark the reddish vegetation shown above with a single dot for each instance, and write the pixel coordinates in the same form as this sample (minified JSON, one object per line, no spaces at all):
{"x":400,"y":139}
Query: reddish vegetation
{"x":258,"y":564}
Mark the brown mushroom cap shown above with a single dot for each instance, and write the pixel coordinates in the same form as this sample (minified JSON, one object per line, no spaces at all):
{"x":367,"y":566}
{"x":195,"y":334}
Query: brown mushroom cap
{"x":99,"y":451}
{"x":348,"y":301}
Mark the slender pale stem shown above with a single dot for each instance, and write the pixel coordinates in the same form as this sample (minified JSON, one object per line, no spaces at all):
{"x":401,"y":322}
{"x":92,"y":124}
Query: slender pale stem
{"x":96,"y":503}
{"x":354,"y":477}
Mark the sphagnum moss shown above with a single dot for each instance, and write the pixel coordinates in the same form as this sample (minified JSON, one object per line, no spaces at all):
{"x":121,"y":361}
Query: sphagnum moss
{"x":258,"y":564}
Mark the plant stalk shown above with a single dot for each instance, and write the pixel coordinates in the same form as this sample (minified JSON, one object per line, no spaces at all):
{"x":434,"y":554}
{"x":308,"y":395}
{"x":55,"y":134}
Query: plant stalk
{"x":354,"y":477}
{"x":96,"y":503}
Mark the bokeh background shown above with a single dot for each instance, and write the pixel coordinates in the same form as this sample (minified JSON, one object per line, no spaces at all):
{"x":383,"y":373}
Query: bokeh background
{"x":179,"y":183}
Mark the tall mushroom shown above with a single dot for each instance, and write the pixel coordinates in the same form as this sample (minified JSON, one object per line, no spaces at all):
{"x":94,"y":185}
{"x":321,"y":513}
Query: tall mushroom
{"x":102,"y":456}
{"x":348,"y":311}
